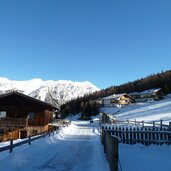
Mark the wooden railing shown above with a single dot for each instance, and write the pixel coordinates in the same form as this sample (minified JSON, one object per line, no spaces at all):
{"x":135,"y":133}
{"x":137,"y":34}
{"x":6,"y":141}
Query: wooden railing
{"x":60,"y":122}
{"x":52,"y":131}
{"x":110,"y":119}
{"x":12,"y":122}
{"x":110,"y":144}
{"x":28,"y":140}
{"x":132,"y":132}
{"x":144,"y":135}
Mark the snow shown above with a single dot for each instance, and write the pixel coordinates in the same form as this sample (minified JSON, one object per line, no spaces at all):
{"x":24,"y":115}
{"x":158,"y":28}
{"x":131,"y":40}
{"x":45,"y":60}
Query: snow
{"x":61,"y":90}
{"x":139,"y":157}
{"x":114,"y":96}
{"x":150,"y":91}
{"x":143,"y":111}
{"x":76,"y":148}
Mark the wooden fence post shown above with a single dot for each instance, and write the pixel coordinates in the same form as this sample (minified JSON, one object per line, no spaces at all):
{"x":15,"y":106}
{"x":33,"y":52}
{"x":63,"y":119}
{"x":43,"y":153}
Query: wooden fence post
{"x":104,"y":142}
{"x":170,"y":126}
{"x":11,"y":146}
{"x":154,"y":135}
{"x":161,"y":124}
{"x":134,"y":136}
{"x":169,"y":136}
{"x":130,"y":135}
{"x":142,"y":135}
{"x":112,"y":151}
{"x":146,"y":137}
{"x":123,"y":135}
{"x":135,"y":122}
{"x":127,"y":140}
{"x":157,"y":137}
{"x":103,"y":118}
{"x":138,"y":135}
{"x":128,"y":121}
{"x":102,"y":135}
{"x":29,"y":142}
{"x":150,"y":136}
{"x":153,"y":125}
{"x":108,"y":119}
{"x":120,"y":133}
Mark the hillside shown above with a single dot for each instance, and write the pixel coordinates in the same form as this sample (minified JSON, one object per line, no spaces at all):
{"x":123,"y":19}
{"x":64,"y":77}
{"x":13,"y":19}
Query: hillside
{"x":159,"y":80}
{"x":56,"y":92}
{"x":154,"y":111}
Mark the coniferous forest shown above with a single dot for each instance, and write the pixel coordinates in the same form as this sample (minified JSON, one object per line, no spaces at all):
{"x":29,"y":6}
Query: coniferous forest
{"x":88,"y":107}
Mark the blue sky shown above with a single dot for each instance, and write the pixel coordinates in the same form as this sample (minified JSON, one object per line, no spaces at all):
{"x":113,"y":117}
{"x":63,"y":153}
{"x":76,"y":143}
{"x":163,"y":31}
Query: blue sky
{"x":107,"y":42}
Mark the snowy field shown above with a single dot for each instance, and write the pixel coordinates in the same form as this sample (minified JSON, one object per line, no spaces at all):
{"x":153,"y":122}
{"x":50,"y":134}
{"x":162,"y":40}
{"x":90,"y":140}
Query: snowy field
{"x":139,"y":157}
{"x":142,"y":158}
{"x":154,"y":111}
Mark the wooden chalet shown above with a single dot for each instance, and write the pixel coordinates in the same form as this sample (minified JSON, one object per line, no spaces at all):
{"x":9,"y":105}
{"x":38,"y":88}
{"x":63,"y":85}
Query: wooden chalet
{"x":116,"y":100}
{"x":22,"y":115}
{"x":134,"y":95}
{"x":152,"y":93}
{"x":147,"y":95}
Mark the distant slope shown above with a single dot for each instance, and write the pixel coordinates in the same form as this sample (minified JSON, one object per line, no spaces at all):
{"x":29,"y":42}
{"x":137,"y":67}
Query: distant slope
{"x":143,"y":111}
{"x":56,"y":92}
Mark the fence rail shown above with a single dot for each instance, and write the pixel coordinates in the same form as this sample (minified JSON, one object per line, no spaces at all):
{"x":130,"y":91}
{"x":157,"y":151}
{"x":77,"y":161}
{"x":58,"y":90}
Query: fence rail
{"x":142,"y":135}
{"x":12,"y":122}
{"x":132,"y":132}
{"x":38,"y":136}
{"x":110,"y":119}
{"x":27,"y":141}
{"x":143,"y":123}
{"x":110,"y":144}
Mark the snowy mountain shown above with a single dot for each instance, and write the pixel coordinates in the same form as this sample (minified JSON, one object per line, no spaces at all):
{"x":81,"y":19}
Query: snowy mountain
{"x":56,"y":92}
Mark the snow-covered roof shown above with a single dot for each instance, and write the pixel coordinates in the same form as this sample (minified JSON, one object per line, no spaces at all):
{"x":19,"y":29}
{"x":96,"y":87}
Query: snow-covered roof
{"x":150,"y":91}
{"x":133,"y":94}
{"x":4,"y":98}
{"x":114,"y":96}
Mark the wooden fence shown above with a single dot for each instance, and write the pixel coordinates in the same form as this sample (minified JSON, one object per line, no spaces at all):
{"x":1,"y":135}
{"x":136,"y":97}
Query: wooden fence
{"x":27,"y":140}
{"x":144,"y":135}
{"x":132,"y":132}
{"x":110,"y":119}
{"x":110,"y":144}
{"x":55,"y":129}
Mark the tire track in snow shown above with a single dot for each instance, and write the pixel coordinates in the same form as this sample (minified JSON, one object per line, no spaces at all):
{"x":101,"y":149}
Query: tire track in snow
{"x":80,"y":146}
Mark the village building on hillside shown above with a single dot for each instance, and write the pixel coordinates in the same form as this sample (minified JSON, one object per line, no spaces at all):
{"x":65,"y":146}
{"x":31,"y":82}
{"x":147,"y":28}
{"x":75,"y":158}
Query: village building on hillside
{"x":134,"y":95}
{"x":151,"y":94}
{"x":117,"y":100}
{"x":147,"y":95}
{"x":22,"y":115}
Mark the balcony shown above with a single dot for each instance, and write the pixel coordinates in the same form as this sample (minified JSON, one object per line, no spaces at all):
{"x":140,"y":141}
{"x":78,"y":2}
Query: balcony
{"x":12,"y":122}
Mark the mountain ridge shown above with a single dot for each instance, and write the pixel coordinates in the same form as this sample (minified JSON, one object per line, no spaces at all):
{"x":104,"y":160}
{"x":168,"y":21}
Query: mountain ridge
{"x":56,"y":92}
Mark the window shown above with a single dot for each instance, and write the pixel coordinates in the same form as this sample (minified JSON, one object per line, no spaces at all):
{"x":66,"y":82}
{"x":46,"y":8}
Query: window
{"x":31,"y":115}
{"x":2,"y":114}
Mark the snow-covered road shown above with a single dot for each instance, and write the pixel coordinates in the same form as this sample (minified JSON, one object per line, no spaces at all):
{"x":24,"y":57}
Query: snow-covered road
{"x":75,"y":148}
